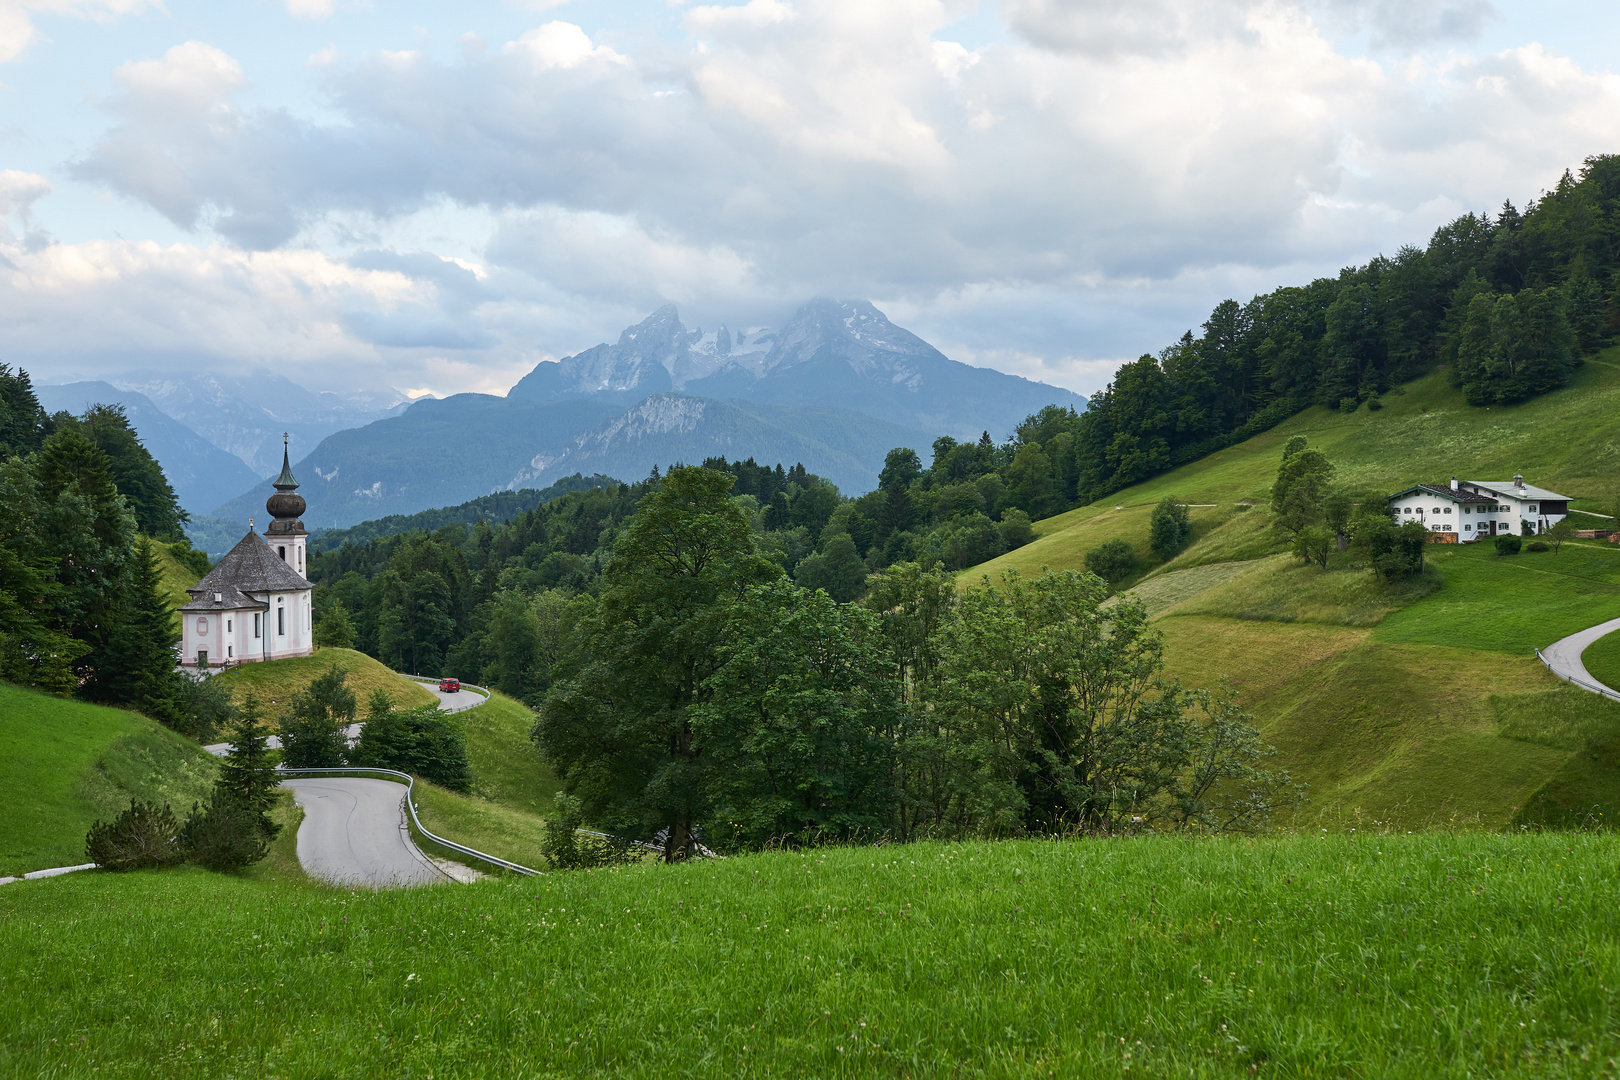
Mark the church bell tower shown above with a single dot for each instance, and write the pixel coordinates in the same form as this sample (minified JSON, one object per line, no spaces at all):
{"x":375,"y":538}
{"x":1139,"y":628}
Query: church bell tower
{"x":285,"y":534}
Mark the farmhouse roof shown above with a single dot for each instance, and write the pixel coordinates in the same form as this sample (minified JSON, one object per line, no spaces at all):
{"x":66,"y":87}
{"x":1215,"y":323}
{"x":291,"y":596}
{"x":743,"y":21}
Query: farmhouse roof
{"x":1528,"y":491}
{"x":1444,"y":491}
{"x":249,"y":567}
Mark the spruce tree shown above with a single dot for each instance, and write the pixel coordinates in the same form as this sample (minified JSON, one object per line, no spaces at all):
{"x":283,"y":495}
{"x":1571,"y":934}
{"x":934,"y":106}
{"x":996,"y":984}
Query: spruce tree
{"x":247,"y":774}
{"x":334,"y":631}
{"x":136,"y":663}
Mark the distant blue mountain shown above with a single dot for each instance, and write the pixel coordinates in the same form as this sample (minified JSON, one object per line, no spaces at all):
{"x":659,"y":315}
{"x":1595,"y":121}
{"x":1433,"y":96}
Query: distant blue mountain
{"x":201,"y":474}
{"x":841,"y":353}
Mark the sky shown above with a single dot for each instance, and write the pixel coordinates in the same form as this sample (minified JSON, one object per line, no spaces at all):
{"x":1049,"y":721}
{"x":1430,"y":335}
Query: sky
{"x":367,"y":195}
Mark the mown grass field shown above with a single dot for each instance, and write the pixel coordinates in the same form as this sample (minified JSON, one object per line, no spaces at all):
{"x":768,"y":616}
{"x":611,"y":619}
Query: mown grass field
{"x":1383,"y":698}
{"x":1436,"y":955}
{"x":276,"y":681}
{"x":63,"y":764}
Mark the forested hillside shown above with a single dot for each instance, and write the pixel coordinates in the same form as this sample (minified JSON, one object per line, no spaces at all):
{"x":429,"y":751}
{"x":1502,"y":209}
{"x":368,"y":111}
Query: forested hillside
{"x":1509,"y":304}
{"x":83,"y":605}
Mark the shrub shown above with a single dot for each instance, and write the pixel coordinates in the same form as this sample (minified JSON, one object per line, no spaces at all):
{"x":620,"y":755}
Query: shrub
{"x":422,"y":741}
{"x":1112,"y":561}
{"x":1508,"y":545}
{"x":228,"y":835}
{"x":1373,"y":404}
{"x":1014,"y":528}
{"x":1170,"y":528}
{"x":1538,"y":545}
{"x":1348,"y":405}
{"x":144,"y":836}
{"x":565,"y":848}
{"x":203,"y":708}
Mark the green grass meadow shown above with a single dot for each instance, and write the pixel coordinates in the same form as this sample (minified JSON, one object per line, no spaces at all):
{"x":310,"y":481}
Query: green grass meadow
{"x":1457,"y":954}
{"x":275,"y":681}
{"x":63,"y":764}
{"x":1379,"y":696}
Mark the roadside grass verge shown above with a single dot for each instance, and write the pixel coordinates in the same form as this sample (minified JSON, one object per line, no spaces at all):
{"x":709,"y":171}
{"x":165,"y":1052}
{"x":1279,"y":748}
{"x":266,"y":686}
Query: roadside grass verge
{"x":281,"y":864}
{"x":1602,"y":657}
{"x":1435,"y":955}
{"x":276,"y":681}
{"x":506,"y":766}
{"x":63,"y":764}
{"x":486,"y":826}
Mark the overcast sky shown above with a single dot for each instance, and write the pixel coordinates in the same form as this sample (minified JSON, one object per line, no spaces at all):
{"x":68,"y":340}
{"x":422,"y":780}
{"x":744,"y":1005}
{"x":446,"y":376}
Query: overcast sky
{"x":437,"y":196}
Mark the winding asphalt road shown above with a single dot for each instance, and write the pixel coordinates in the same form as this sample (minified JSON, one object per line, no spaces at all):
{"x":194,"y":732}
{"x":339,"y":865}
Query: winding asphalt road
{"x":354,"y":831}
{"x":354,"y":834}
{"x":1563,"y":658}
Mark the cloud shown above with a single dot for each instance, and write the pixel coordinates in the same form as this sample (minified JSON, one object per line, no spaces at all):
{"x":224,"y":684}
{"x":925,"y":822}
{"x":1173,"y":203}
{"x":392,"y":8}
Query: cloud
{"x":310,"y":9}
{"x":17,"y":31}
{"x":1107,"y":172}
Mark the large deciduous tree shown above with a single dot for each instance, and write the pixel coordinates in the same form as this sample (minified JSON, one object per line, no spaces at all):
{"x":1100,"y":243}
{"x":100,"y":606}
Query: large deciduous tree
{"x":620,"y":733}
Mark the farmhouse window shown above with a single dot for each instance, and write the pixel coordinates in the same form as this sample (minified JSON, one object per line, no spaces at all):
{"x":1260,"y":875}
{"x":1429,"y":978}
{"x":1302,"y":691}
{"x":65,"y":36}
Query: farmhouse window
{"x":1468,"y":528}
{"x":1531,"y":508}
{"x":1448,"y":509}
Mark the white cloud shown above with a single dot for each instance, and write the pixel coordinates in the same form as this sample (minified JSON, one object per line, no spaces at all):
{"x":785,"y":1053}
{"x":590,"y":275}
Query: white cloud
{"x":17,"y":30}
{"x":1048,"y":203}
{"x":310,"y":9}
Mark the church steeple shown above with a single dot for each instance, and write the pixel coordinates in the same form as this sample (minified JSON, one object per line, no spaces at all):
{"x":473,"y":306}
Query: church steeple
{"x":286,"y":505}
{"x":285,"y":481}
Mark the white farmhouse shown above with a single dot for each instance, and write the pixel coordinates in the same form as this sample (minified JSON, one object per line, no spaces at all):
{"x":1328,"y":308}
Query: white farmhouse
{"x":1469,"y":510}
{"x":255,"y":604}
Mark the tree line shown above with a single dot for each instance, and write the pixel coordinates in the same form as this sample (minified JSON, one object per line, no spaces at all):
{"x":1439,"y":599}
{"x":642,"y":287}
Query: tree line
{"x":82,"y":605}
{"x":1509,"y":304}
{"x":701,"y":696}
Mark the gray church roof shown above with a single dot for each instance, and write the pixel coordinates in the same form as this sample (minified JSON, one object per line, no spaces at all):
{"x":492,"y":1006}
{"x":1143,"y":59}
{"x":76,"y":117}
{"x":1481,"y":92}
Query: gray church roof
{"x":249,"y":567}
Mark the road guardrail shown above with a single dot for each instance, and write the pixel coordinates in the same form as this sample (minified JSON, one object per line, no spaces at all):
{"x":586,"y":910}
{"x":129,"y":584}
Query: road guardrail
{"x":1596,"y":688}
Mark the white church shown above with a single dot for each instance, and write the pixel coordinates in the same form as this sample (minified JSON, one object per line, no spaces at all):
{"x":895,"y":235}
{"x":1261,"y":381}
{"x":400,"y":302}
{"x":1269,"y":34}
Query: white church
{"x":255,"y":604}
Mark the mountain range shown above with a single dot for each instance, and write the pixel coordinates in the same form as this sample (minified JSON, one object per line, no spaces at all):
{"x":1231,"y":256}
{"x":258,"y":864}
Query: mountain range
{"x":202,"y":474}
{"x":844,"y":353}
{"x":835,"y":388}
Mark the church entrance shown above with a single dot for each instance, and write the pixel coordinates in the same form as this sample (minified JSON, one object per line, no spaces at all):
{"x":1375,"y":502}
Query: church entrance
{"x":202,"y":658}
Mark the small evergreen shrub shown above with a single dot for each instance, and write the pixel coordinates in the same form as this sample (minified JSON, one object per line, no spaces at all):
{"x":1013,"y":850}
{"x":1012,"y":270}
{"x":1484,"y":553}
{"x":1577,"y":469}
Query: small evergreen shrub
{"x":1373,"y":404}
{"x":1348,"y":405}
{"x":1112,"y":561}
{"x":142,"y":837}
{"x":226,"y":835}
{"x":1538,"y":545}
{"x":1508,"y":545}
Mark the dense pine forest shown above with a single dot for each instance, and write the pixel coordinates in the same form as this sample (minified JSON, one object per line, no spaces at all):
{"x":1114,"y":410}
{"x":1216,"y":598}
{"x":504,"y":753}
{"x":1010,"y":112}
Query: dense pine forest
{"x":82,"y":608}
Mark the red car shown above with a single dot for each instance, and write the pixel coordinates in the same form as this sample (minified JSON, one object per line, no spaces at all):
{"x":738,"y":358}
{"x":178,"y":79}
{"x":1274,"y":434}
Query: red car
{"x":450,"y":686}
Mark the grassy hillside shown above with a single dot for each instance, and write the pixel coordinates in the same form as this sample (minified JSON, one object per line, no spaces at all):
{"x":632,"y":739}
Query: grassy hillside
{"x":1438,"y":955}
{"x":1418,"y":704}
{"x":63,"y":764}
{"x":176,"y":578}
{"x":512,"y":788}
{"x":275,"y":681}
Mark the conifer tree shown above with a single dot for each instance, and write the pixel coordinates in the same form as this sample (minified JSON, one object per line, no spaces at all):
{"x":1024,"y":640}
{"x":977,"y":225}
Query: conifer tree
{"x":135,"y":665}
{"x":247,"y":775}
{"x":334,"y":631}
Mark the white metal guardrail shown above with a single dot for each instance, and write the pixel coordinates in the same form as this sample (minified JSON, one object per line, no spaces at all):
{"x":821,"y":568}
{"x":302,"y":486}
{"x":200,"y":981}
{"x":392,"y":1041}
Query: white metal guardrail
{"x":410,"y":805}
{"x":1596,"y":688}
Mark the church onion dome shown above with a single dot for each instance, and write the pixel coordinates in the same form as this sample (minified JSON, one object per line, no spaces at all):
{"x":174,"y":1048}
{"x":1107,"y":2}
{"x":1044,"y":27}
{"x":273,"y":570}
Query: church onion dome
{"x":286,"y":506}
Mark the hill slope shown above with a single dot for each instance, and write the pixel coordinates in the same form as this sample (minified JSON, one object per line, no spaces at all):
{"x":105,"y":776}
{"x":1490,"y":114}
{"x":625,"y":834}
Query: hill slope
{"x":63,"y":764}
{"x":1419,"y":704}
{"x":275,"y":681}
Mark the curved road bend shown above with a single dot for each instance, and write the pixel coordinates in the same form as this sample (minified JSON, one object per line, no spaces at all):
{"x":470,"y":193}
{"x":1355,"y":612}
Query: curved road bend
{"x":1564,"y":655}
{"x":354,"y":834}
